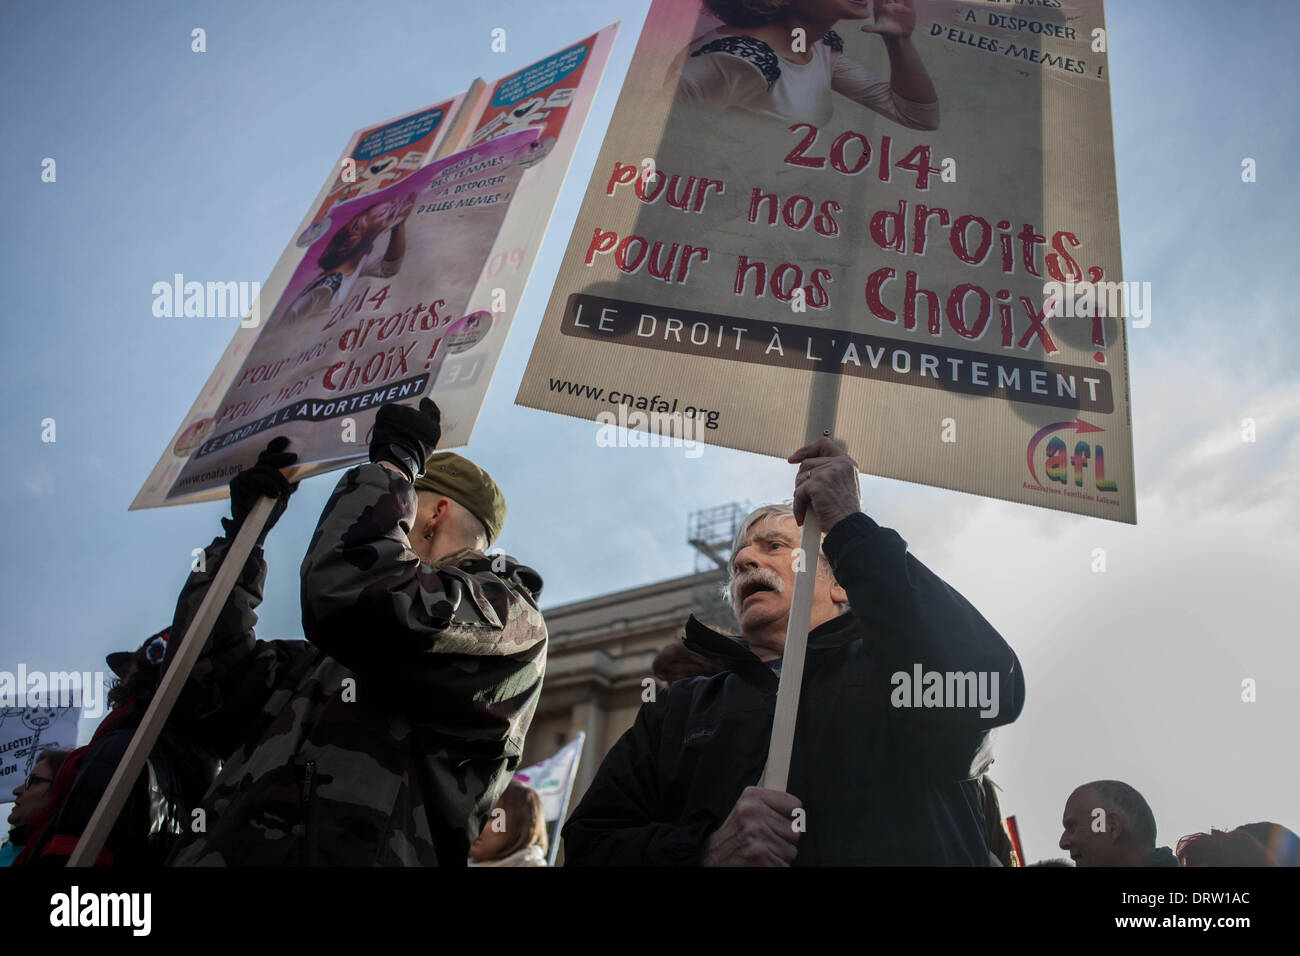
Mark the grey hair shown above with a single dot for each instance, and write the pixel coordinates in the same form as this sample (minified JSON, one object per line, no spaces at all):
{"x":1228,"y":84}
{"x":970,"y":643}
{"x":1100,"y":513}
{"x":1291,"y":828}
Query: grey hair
{"x":756,"y":517}
{"x":1140,"y":821}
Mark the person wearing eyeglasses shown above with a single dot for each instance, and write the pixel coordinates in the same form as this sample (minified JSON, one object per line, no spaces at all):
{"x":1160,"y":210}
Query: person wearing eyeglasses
{"x":31,"y":796}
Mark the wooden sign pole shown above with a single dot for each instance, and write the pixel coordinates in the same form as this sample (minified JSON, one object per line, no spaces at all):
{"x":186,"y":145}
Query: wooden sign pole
{"x":146,"y":735}
{"x":823,"y":401}
{"x":777,"y":772}
{"x":169,"y":689}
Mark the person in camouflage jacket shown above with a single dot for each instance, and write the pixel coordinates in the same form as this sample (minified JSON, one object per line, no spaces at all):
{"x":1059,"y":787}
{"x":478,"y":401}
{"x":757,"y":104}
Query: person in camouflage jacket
{"x":387,"y":738}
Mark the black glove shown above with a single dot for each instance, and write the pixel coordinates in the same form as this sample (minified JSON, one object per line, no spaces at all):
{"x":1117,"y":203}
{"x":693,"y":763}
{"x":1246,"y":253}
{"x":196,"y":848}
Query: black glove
{"x":263,"y":480}
{"x":406,"y":437}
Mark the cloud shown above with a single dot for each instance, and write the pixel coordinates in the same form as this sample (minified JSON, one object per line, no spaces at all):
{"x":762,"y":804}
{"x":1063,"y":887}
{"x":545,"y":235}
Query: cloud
{"x":1136,"y":673}
{"x":40,"y":483}
{"x":1193,"y":447}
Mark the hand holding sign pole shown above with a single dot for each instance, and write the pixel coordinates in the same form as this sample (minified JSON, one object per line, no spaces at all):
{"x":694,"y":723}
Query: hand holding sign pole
{"x":169,"y":689}
{"x":253,"y":512}
{"x":824,"y":394}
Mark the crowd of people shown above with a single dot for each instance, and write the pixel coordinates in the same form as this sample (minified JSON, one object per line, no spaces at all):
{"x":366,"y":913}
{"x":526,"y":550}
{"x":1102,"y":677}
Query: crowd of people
{"x":389,"y":736}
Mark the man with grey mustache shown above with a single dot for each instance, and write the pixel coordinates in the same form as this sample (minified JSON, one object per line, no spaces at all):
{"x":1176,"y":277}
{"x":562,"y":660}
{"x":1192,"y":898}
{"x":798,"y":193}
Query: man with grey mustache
{"x":875,"y":779}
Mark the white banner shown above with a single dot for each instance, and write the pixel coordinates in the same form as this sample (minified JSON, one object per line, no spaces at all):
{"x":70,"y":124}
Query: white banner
{"x":553,"y":777}
{"x":25,"y":732}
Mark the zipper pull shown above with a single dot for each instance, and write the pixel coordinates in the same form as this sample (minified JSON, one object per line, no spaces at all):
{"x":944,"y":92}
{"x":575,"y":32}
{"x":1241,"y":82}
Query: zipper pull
{"x":309,"y":772}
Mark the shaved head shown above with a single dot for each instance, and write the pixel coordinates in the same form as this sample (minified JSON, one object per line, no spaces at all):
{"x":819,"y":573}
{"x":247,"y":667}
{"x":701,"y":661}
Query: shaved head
{"x":456,"y":528}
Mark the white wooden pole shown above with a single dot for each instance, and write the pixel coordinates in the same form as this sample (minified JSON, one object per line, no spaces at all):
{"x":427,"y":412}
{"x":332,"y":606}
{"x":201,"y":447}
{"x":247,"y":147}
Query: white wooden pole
{"x":169,"y":689}
{"x":776,"y":774}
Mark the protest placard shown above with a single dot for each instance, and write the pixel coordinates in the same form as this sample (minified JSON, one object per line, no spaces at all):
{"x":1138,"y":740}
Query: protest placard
{"x":471,"y":259}
{"x":900,"y":224}
{"x":26,"y":731}
{"x":552,"y":96}
{"x":363,"y":320}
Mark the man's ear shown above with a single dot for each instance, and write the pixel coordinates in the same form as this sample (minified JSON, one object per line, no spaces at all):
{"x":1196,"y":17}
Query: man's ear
{"x":426,"y":509}
{"x":1116,"y":825}
{"x":838,"y":594}
{"x":440,"y":514}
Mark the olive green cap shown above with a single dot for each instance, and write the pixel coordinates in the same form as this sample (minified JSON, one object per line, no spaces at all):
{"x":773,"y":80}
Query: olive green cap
{"x":465,"y":483}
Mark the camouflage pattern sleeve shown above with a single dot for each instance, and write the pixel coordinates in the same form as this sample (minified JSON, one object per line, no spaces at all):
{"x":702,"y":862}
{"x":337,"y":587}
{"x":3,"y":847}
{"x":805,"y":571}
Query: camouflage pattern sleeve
{"x":465,"y":639}
{"x":234,"y":675}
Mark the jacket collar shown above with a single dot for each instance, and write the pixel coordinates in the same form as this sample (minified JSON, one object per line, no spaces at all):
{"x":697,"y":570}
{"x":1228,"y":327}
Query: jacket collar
{"x":476,"y":562}
{"x":731,"y":652}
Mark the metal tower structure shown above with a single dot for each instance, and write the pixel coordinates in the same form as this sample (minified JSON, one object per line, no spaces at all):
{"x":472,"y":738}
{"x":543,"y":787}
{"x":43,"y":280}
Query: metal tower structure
{"x":711,"y":531}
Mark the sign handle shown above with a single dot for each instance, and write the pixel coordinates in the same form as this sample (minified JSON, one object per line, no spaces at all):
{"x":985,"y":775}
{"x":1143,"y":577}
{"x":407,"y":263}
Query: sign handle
{"x":169,"y":689}
{"x":564,"y":804}
{"x":776,"y":774}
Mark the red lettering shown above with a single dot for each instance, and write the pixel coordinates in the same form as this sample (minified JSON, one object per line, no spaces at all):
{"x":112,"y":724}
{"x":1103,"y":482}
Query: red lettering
{"x":621,"y":254}
{"x":1036,"y":327}
{"x":793,"y":219}
{"x":623,"y":174}
{"x":921,"y":223}
{"x":918,"y":161}
{"x":778,"y":284}
{"x":679,"y":199}
{"x":1071,"y":271}
{"x":818,"y":297}
{"x":601,"y":242}
{"x":684,"y":266}
{"x":825,"y":223}
{"x":702,"y":192}
{"x":837,"y":153}
{"x":874,"y":302}
{"x":957,"y":311}
{"x":643,"y":193}
{"x":756,"y":199}
{"x":659,"y":269}
{"x":910,"y":296}
{"x":881,"y":222}
{"x":961,"y":246}
{"x":796,"y":156}
{"x":742,"y":271}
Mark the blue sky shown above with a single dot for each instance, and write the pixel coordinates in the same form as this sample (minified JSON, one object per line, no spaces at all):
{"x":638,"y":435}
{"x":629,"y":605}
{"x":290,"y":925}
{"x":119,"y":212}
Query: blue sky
{"x":171,"y":161}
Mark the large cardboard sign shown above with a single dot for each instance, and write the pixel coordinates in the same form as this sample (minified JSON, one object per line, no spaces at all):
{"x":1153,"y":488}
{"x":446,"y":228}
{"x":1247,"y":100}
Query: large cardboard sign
{"x":366,"y":318}
{"x":470,"y":258}
{"x":896,"y":225}
{"x":552,"y":96}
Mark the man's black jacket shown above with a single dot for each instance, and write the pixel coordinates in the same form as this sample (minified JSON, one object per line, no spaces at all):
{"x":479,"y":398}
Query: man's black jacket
{"x":879,"y":784}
